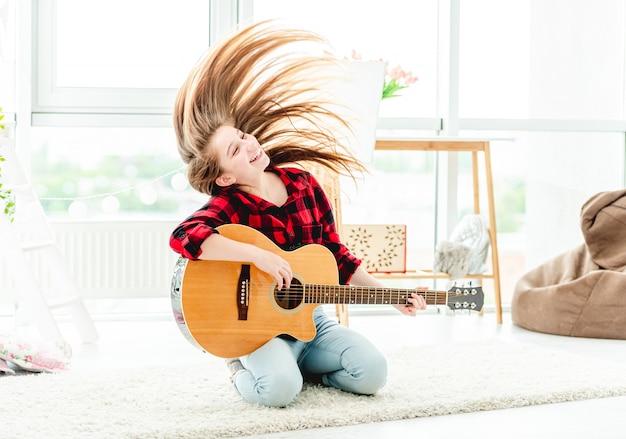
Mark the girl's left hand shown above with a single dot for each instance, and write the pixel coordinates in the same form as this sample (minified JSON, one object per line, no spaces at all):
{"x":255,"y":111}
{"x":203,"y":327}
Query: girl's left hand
{"x":416,"y":303}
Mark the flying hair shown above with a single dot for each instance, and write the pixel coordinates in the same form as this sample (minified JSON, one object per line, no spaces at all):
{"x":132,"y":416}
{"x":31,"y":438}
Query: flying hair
{"x":272,"y":82}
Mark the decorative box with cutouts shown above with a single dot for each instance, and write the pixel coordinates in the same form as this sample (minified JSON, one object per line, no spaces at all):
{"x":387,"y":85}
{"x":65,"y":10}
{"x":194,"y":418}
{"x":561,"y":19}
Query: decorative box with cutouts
{"x":381,"y":247}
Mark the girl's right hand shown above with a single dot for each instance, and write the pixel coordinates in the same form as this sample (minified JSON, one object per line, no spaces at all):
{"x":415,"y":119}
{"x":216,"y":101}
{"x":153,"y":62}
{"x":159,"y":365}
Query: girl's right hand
{"x":275,"y":266}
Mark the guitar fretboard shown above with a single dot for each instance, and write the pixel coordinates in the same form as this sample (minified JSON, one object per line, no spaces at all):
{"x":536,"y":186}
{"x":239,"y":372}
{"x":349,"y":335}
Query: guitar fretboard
{"x":349,"y":294}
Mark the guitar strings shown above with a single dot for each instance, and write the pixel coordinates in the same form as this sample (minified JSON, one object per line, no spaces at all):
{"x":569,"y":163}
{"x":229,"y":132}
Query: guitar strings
{"x":330,"y":292}
{"x":348,"y":289}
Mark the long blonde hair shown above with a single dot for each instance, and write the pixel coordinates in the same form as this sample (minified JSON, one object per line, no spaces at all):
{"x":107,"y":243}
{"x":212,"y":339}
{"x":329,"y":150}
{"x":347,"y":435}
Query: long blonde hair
{"x":258,"y":81}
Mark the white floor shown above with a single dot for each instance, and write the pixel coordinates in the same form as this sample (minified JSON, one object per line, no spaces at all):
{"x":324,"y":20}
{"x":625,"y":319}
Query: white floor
{"x":134,"y":339}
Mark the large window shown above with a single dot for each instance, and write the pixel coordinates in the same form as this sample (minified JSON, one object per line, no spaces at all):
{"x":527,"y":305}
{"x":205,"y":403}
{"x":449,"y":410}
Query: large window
{"x":506,"y":65}
{"x":545,"y":81}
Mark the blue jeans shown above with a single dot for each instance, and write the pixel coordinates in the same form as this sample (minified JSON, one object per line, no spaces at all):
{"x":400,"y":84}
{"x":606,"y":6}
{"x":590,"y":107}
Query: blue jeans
{"x":337,"y":357}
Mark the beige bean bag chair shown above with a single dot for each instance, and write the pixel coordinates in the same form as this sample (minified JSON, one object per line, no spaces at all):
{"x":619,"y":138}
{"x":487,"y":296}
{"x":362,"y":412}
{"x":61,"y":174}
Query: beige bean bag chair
{"x":582,"y":292}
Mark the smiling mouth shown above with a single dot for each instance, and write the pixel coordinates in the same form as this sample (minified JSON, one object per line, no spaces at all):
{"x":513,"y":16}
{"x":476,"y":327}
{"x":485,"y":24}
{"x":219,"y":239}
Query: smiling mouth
{"x":256,"y":156}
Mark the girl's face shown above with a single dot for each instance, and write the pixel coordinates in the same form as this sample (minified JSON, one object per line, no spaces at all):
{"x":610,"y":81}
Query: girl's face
{"x":240,"y":156}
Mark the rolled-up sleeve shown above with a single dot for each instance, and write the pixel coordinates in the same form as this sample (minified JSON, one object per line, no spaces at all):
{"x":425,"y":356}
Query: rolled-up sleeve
{"x":187,"y":238}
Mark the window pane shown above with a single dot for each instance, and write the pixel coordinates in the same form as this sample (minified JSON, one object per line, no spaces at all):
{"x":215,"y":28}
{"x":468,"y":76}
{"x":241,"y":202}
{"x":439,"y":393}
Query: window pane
{"x":152,"y":44}
{"x":100,"y":172}
{"x":494,"y":58}
{"x":541,"y":180}
{"x":537,"y":59}
{"x":567,"y":169}
{"x":402,"y":33}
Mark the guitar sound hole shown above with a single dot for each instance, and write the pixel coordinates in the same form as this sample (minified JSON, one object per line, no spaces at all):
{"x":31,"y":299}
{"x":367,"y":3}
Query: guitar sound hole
{"x":290,"y":298}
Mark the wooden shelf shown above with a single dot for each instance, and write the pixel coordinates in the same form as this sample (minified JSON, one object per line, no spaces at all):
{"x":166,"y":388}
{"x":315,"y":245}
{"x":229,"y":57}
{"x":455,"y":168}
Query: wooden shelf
{"x":475,"y":146}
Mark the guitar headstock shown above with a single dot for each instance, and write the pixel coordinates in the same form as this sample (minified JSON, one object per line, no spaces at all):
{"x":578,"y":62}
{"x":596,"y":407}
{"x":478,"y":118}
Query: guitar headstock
{"x":469,"y":297}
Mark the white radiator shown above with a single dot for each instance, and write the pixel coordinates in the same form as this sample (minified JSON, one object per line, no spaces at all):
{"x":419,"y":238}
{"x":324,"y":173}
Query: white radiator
{"x":109,"y":259}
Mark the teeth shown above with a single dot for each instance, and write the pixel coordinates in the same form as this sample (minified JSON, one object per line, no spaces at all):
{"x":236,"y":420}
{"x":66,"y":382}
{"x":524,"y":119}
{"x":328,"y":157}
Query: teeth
{"x":256,"y":156}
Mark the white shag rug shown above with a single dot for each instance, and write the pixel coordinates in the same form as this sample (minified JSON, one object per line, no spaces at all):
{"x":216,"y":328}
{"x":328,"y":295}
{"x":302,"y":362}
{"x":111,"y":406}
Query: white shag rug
{"x":197,"y":400}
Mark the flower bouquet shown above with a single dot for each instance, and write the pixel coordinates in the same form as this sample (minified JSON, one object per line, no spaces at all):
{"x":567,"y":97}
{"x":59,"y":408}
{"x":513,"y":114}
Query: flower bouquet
{"x":396,"y":79}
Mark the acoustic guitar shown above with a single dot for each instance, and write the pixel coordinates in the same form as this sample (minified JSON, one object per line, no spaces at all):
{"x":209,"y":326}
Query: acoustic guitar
{"x":229,"y":309}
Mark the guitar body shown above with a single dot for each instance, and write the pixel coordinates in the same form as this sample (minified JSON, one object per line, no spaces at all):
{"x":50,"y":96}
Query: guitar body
{"x":207,"y":297}
{"x":231,"y":309}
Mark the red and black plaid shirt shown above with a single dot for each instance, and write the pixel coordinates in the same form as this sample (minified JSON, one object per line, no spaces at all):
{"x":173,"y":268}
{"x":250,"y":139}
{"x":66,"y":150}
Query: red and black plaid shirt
{"x":305,"y":218}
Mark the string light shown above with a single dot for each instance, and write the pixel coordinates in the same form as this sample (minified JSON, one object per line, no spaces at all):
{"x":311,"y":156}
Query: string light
{"x":177,"y":187}
{"x":110,"y":204}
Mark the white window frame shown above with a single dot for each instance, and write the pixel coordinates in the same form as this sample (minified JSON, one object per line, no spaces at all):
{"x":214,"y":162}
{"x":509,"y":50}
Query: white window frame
{"x":148,"y":107}
{"x":80,"y":106}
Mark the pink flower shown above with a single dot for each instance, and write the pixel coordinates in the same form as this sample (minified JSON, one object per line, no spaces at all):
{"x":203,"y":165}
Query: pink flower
{"x":356,"y":56}
{"x":396,"y":79}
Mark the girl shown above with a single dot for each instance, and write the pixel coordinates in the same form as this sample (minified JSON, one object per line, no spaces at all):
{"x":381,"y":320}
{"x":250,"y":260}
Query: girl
{"x":249,"y":112}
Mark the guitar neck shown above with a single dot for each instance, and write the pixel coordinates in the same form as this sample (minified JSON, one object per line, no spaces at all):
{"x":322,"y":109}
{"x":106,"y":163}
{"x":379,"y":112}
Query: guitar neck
{"x":355,"y":295}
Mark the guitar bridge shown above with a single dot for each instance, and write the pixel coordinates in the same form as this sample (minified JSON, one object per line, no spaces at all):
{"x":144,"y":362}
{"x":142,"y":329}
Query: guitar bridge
{"x":243,"y":292}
